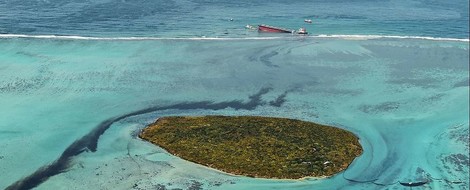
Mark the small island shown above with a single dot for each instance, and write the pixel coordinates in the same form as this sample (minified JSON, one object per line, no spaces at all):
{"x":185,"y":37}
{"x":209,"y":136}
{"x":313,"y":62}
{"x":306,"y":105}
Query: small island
{"x":255,"y":146}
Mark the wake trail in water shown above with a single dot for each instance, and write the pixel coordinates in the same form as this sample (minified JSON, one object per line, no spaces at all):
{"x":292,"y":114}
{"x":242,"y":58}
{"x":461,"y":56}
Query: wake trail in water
{"x":89,"y":142}
{"x":320,"y":36}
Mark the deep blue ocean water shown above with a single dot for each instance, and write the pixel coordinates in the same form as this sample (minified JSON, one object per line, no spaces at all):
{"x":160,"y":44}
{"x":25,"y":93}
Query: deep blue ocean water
{"x":212,"y":18}
{"x":79,"y":79}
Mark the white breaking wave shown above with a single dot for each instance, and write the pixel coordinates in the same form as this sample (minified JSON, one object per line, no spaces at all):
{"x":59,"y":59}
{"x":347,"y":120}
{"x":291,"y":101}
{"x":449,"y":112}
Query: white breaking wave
{"x":366,"y":37}
{"x":129,"y":38}
{"x":347,"y":37}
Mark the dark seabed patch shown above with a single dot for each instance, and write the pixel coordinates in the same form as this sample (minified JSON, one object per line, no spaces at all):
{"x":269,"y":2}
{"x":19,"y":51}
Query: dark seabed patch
{"x":383,"y":107}
{"x":20,"y":85}
{"x":421,"y":82}
{"x":9,"y":132}
{"x":459,"y":161}
{"x":463,"y":83}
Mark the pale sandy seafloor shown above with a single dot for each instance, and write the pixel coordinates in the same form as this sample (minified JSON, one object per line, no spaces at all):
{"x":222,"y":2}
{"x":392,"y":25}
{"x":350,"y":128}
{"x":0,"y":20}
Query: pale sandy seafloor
{"x":407,"y":100}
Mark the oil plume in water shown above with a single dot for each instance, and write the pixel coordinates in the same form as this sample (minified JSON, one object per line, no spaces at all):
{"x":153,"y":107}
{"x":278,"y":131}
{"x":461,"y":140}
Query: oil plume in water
{"x":90,"y":141}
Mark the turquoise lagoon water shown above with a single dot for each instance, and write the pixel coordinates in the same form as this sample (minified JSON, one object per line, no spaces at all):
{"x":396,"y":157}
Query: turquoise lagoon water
{"x":80,"y":79}
{"x":406,"y":99}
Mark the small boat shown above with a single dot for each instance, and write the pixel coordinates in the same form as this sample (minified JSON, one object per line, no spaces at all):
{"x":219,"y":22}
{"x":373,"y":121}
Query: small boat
{"x":302,"y":31}
{"x":267,"y":28}
{"x":413,"y":184}
{"x":308,"y":20}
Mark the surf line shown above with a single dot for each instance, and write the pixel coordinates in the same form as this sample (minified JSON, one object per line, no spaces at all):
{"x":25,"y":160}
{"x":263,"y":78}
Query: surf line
{"x":89,"y":142}
{"x":136,"y":38}
{"x":367,"y":37}
{"x":141,"y":38}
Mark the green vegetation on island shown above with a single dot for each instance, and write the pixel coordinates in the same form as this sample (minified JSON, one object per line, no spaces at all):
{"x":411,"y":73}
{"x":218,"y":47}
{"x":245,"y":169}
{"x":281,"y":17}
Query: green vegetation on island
{"x":256,"y":146}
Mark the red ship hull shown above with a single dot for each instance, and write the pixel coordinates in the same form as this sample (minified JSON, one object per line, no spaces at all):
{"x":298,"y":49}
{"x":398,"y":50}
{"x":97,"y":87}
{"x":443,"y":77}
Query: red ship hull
{"x":266,"y":28}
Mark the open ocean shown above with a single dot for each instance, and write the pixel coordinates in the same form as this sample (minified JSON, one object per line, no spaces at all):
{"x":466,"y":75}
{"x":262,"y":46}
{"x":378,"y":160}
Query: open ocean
{"x":80,"y":79}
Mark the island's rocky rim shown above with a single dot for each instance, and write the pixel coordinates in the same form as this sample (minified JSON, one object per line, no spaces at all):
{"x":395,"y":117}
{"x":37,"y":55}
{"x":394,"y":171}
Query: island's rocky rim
{"x":255,"y":146}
